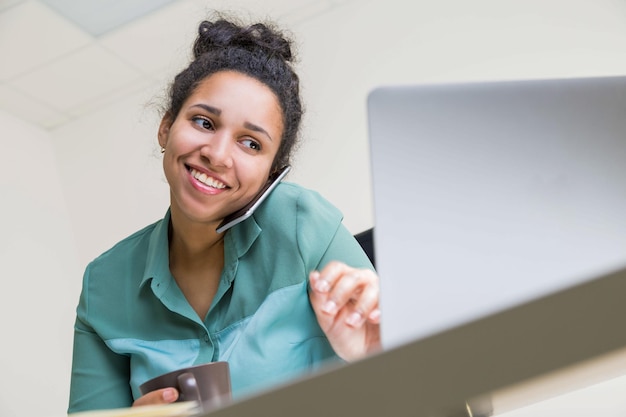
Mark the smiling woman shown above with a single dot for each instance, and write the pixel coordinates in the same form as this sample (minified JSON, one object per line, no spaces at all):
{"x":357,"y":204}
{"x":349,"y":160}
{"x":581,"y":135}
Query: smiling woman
{"x":232,"y":121}
{"x":279,"y":294}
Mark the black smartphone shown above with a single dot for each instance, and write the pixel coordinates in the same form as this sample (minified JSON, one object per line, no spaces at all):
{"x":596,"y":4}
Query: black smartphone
{"x":247,"y":210}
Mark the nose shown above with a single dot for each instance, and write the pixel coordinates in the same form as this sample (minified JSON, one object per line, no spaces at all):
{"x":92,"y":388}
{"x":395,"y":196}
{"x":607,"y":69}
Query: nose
{"x":218,"y":149}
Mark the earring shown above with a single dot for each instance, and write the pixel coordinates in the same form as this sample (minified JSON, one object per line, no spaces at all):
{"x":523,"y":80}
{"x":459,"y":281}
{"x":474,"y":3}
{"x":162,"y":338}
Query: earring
{"x":162,"y":149}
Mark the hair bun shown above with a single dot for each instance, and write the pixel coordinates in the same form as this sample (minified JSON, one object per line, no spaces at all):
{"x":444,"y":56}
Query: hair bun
{"x":260,"y":36}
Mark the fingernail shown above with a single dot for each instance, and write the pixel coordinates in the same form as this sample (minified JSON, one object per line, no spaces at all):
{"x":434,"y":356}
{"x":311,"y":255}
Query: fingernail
{"x":322,"y":286}
{"x":329,"y":307}
{"x":169,"y":395}
{"x":354,"y":319}
{"x":375,"y":315}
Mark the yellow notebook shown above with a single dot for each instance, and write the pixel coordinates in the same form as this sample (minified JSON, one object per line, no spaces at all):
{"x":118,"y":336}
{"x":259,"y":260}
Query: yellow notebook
{"x":182,"y":409}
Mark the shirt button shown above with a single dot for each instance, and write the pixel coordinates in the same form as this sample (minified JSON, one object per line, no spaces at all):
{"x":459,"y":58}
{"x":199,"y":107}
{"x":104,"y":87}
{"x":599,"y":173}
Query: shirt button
{"x":206,"y":338}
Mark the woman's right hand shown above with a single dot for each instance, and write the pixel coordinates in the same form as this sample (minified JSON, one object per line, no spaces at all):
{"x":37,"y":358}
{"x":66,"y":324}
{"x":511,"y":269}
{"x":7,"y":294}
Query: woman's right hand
{"x":159,"y":396}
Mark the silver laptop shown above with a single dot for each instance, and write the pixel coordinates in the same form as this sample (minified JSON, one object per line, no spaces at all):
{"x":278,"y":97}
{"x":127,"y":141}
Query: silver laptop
{"x":491,"y":194}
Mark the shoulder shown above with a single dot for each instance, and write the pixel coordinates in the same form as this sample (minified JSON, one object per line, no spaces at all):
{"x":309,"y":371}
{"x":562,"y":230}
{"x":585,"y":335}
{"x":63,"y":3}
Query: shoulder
{"x":299,"y":220}
{"x":129,"y":243}
{"x":115,"y":274}
{"x":292,"y":203}
{"x":127,"y":253}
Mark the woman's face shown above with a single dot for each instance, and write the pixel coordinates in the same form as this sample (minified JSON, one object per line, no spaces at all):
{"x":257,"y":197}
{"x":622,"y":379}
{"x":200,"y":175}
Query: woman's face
{"x":220,"y":148}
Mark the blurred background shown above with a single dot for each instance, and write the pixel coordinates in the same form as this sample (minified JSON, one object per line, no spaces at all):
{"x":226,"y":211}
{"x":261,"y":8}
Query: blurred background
{"x":81,"y":83}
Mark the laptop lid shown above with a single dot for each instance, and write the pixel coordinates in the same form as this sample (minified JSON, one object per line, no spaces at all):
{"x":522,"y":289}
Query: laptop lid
{"x":490,"y":194}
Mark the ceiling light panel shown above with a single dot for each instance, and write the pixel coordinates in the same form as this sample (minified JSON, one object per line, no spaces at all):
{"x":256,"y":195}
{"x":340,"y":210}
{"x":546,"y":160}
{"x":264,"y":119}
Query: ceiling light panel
{"x":98,"y":17}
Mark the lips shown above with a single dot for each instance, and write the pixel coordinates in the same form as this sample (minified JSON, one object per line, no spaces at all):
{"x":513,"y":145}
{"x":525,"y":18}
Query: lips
{"x":206,"y":180}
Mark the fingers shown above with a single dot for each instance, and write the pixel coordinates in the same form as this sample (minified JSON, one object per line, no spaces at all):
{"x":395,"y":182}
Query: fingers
{"x":352,"y":292}
{"x":160,"y":396}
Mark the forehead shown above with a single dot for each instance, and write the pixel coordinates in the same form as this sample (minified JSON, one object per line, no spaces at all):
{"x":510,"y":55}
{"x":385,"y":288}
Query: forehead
{"x":241,"y":90}
{"x":235,"y":84}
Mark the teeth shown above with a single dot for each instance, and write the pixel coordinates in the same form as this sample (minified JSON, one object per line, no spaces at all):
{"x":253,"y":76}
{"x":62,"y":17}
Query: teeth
{"x":205,"y":179}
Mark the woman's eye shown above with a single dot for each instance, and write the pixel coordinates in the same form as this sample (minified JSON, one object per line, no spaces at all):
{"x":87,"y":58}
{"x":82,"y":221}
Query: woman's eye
{"x":252,"y":144}
{"x":203,"y":122}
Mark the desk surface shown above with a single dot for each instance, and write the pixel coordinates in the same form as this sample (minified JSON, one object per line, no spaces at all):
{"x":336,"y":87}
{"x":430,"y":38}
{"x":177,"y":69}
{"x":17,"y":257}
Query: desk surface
{"x":439,"y":375}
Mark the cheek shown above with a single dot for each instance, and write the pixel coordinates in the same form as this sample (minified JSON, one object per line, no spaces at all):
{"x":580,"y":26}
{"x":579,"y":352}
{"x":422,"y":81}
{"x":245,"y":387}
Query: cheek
{"x":260,"y":180}
{"x":257,"y":176}
{"x":169,"y":163}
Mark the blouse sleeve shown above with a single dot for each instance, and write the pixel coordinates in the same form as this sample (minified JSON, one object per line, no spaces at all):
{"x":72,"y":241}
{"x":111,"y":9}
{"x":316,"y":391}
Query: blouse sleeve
{"x":345,"y":248}
{"x":100,"y":377}
{"x":323,"y":238}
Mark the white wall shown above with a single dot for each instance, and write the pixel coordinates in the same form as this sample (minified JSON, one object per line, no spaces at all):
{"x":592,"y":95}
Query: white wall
{"x":108,"y":168}
{"x":39,"y":275}
{"x":350,"y":51}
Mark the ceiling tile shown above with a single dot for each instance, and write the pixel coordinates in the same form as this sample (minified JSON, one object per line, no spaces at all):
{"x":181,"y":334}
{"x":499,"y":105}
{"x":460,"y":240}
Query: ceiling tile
{"x":32,"y":35}
{"x":153,"y":44}
{"x":29,"y":110}
{"x":86,"y":75}
{"x":265,"y":9}
{"x":300,"y":14}
{"x":289,"y":11}
{"x":5,"y":4}
{"x":138,"y":86}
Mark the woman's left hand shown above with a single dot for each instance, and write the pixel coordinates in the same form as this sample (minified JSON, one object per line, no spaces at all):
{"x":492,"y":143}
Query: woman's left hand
{"x":345,"y":301}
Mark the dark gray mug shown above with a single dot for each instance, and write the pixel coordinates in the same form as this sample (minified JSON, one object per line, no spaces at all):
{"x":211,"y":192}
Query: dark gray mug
{"x":209,"y":384}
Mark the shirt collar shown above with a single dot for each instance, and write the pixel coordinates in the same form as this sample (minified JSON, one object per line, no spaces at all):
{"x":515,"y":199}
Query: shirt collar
{"x":237,"y":242}
{"x":157,"y":259}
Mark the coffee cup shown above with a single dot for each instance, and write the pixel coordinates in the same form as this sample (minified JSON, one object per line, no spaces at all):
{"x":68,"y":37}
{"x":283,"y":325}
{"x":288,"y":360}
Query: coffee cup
{"x":208,"y":384}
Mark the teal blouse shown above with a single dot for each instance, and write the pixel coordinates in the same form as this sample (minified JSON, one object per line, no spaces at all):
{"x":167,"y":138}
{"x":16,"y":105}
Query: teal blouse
{"x":133,"y":322}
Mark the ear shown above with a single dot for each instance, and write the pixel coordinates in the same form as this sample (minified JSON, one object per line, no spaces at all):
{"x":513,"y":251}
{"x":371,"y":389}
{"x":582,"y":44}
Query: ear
{"x":164,"y":129}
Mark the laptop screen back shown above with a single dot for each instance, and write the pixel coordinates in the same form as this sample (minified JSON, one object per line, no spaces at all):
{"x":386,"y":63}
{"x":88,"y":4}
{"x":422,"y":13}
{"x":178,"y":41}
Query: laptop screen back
{"x":490,"y":194}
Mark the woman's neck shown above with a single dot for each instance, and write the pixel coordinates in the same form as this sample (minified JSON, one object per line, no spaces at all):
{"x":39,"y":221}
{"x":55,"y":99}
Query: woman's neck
{"x":196,"y":258}
{"x":193,"y":243}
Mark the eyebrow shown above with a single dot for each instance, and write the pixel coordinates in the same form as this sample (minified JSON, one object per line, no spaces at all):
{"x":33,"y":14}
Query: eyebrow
{"x":247,"y":125}
{"x":208,"y":108}
{"x":259,"y":129}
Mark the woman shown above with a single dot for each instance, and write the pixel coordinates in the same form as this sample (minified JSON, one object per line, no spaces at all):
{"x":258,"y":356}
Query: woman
{"x":279,"y":294}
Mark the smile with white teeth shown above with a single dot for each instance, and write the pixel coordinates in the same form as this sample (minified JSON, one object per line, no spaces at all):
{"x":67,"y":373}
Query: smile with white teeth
{"x":206,"y":180}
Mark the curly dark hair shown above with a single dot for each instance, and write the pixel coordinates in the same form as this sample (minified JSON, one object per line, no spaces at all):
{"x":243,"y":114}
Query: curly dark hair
{"x":260,"y":51}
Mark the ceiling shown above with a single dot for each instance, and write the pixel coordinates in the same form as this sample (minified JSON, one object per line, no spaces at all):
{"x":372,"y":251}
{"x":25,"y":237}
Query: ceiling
{"x":62,"y":59}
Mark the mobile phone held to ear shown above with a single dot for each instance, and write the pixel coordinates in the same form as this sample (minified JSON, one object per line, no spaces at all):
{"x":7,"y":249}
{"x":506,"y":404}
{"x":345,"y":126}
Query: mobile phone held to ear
{"x":247,"y":210}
